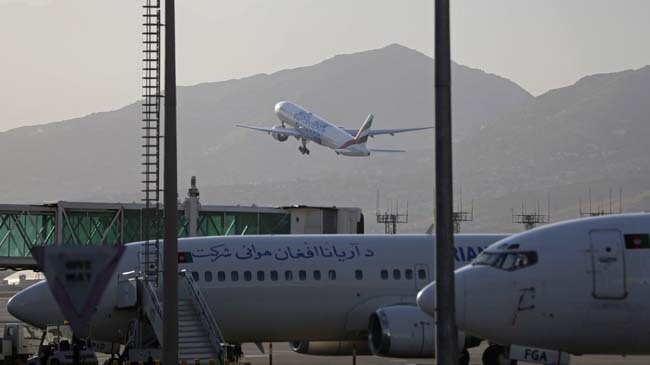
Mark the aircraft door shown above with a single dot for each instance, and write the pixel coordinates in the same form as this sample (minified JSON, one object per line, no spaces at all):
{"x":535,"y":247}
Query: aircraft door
{"x":421,"y":276}
{"x":608,"y":264}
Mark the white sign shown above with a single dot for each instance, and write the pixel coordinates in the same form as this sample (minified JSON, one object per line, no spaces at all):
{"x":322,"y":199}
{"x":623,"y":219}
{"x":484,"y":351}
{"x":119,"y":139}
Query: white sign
{"x":77,"y":277}
{"x":540,"y":356}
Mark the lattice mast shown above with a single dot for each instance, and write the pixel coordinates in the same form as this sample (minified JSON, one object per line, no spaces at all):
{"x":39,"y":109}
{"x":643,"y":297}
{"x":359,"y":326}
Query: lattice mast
{"x":151,"y":108}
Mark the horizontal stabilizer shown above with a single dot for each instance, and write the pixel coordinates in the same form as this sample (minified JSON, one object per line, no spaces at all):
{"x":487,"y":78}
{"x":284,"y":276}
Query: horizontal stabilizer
{"x":384,"y":150}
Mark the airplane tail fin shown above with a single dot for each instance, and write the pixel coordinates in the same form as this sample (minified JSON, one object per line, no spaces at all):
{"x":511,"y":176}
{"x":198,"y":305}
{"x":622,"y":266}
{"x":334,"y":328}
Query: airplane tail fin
{"x":364,"y":131}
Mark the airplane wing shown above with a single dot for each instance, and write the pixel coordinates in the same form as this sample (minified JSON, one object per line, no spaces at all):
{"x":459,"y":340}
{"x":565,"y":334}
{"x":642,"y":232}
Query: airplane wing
{"x":286,"y":131}
{"x":392,"y":132}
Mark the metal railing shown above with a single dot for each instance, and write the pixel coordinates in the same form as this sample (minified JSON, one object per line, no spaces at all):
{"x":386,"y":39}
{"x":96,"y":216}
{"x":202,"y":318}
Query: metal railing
{"x":216,"y":338}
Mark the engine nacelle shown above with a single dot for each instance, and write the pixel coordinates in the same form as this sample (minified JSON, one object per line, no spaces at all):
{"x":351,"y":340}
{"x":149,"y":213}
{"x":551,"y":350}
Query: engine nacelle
{"x":403,"y":331}
{"x":279,"y":136}
{"x":330,"y":348}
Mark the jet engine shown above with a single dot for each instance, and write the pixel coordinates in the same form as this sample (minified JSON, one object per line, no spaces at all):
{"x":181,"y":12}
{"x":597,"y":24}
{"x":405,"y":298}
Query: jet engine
{"x":279,"y":136}
{"x":330,"y":348}
{"x":403,"y":331}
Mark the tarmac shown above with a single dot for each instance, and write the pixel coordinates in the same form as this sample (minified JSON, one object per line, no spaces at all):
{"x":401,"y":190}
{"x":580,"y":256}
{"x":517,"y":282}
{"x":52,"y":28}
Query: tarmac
{"x":282,"y":354}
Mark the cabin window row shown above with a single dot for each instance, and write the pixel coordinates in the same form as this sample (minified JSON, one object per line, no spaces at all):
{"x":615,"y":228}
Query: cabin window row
{"x":288,"y":275}
{"x":398,"y":274}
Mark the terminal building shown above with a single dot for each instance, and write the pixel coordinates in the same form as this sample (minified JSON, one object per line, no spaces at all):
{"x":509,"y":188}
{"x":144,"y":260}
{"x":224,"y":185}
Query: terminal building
{"x":85,"y":223}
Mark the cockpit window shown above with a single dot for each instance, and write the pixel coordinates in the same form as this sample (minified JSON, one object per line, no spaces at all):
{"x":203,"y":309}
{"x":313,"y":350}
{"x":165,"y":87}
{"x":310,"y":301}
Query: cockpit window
{"x":508,"y":261}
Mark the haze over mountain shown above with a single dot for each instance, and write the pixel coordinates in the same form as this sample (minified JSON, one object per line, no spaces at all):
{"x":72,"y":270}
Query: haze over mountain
{"x":508,"y":145}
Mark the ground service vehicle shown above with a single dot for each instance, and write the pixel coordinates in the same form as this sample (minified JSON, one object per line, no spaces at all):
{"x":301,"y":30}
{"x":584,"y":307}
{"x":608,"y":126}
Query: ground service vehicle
{"x":58,"y":348}
{"x":19,"y":341}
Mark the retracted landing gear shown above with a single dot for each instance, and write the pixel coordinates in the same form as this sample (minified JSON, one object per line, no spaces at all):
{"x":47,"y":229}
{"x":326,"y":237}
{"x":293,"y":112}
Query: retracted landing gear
{"x":303,"y":148}
{"x":496,"y":355}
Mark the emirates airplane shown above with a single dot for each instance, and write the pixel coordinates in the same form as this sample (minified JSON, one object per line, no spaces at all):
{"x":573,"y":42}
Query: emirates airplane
{"x":323,"y":293}
{"x":306,"y":127}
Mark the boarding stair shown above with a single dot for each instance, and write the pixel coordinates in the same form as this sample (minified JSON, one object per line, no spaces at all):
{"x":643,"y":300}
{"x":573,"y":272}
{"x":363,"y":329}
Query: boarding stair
{"x":199,"y":337}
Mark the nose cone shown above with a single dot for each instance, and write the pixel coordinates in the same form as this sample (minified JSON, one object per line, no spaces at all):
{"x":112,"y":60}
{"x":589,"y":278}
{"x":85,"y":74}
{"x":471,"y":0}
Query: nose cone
{"x":426,"y":299}
{"x":427,"y":296}
{"x":279,"y":107}
{"x":35,"y":305}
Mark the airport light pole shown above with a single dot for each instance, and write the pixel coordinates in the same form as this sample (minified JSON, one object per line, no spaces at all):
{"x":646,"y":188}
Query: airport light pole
{"x":170,"y":249}
{"x":446,"y":331}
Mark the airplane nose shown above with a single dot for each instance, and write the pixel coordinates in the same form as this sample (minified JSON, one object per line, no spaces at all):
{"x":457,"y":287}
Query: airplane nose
{"x":426,"y":299}
{"x":35,"y":305}
{"x":278,"y":107}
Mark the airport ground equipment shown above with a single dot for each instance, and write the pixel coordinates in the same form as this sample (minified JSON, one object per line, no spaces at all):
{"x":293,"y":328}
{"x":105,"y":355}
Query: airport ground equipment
{"x":57,"y":347}
{"x":199,"y":334}
{"x":19,"y":341}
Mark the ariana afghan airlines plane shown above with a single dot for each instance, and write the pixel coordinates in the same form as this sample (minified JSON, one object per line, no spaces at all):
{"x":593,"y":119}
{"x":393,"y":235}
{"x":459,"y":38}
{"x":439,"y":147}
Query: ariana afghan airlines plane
{"x":580,"y":286}
{"x":323,"y":293}
{"x":307,"y":127}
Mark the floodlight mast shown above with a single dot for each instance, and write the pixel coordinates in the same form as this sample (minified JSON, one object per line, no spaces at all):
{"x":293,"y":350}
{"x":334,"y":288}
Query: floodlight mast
{"x":446,"y":331}
{"x":170,"y":249}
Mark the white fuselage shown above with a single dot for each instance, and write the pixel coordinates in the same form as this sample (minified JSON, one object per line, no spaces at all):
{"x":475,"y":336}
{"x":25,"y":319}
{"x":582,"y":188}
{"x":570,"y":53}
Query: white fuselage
{"x":582,"y":287}
{"x":326,"y":288}
{"x":318,"y":130}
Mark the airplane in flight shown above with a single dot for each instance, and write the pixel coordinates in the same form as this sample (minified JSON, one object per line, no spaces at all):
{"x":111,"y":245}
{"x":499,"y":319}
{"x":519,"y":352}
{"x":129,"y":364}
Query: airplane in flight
{"x":308,"y":127}
{"x":580,"y":286}
{"x":322,"y":293}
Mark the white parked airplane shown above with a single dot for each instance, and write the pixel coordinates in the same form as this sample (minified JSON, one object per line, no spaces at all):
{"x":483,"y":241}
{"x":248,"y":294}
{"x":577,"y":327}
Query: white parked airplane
{"x":581,"y":286}
{"x":306,"y":127}
{"x":318,"y":291}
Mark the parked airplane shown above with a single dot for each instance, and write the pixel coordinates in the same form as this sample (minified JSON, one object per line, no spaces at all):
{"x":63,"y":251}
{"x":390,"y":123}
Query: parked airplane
{"x":581,"y":286}
{"x":318,"y":291}
{"x":306,"y":127}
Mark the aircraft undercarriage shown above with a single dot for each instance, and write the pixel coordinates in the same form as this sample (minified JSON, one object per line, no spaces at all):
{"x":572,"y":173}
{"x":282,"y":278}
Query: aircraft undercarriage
{"x":303,"y":148}
{"x":496,"y":355}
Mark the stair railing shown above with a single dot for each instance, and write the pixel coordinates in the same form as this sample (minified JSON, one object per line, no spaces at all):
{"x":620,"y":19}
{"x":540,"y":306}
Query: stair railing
{"x":216,"y":338}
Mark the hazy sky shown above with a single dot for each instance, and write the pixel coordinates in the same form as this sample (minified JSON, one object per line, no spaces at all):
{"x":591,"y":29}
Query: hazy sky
{"x":66,"y":58}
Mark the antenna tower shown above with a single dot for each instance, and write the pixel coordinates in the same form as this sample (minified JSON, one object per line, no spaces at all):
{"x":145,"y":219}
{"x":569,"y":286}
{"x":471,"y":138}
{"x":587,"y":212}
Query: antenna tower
{"x":392,"y":217}
{"x":461,"y":215}
{"x":534,"y":218}
{"x":600,"y":210}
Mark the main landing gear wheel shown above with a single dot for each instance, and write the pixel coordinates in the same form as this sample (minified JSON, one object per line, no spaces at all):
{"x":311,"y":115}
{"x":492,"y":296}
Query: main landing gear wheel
{"x":463,"y":358}
{"x":496,"y":355}
{"x":303,"y":150}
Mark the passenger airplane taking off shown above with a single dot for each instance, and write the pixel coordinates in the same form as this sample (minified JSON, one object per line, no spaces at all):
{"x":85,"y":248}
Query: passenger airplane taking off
{"x":581,"y":286}
{"x":306,"y":127}
{"x":321,"y":292}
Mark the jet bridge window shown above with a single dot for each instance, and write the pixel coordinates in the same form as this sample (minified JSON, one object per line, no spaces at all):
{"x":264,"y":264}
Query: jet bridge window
{"x":509,"y":261}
